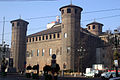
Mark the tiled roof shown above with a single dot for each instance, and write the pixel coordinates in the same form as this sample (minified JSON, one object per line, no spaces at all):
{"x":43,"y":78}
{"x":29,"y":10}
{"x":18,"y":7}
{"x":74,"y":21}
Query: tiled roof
{"x":47,"y":31}
{"x":70,"y":6}
{"x":94,"y":23}
{"x":19,"y":20}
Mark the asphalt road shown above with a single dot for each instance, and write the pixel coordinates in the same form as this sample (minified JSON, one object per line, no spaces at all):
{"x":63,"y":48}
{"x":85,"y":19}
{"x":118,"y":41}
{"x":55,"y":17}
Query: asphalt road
{"x":22,"y":77}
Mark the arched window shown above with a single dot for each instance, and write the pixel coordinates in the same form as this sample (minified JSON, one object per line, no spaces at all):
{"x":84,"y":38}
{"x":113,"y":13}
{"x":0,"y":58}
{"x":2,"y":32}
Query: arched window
{"x":50,"y":37}
{"x":39,"y":38}
{"x":37,"y":52}
{"x":12,"y":24}
{"x":93,"y":26}
{"x":36,"y":39}
{"x":68,"y":10}
{"x":58,"y":35}
{"x":88,"y":27}
{"x":54,"y":36}
{"x":75,"y":11}
{"x":43,"y":51}
{"x":62,"y":11}
{"x":18,"y":24}
{"x":46,"y":37}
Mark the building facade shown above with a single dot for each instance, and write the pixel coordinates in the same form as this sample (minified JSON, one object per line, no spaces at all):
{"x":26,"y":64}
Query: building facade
{"x":75,"y":47}
{"x":64,"y":39}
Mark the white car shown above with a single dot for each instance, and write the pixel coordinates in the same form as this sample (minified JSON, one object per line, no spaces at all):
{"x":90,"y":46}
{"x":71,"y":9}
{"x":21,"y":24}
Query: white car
{"x":116,"y":78}
{"x":90,"y":74}
{"x":108,"y":74}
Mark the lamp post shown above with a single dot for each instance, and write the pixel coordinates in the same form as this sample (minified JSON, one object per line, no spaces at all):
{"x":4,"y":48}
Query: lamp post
{"x":80,"y":56}
{"x":116,"y":56}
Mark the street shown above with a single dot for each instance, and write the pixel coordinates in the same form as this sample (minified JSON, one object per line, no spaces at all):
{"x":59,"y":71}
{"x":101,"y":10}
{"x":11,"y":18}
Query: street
{"x":22,"y":77}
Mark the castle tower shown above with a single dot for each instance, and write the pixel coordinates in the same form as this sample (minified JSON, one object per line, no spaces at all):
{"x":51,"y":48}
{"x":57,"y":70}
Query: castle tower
{"x":95,"y":28}
{"x":70,"y":28}
{"x":18,"y":43}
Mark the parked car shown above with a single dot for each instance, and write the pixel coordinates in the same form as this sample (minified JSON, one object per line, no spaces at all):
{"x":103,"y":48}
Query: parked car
{"x":109,"y":75}
{"x":90,"y":74}
{"x":115,"y":78}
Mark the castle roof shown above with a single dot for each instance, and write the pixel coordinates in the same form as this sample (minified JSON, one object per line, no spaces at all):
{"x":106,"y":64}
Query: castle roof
{"x":71,"y":5}
{"x":47,"y":31}
{"x":19,"y":20}
{"x":94,"y":23}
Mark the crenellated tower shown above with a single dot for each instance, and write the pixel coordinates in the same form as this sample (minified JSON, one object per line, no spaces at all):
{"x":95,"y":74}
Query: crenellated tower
{"x":70,"y":28}
{"x":18,"y":44}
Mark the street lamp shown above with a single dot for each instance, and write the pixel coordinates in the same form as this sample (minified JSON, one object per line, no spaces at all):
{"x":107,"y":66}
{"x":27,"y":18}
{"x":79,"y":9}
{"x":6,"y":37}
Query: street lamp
{"x":116,"y":56}
{"x":80,"y":56}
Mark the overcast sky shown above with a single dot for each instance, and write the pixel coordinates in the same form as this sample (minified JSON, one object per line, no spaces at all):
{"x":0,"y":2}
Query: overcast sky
{"x":42,"y":12}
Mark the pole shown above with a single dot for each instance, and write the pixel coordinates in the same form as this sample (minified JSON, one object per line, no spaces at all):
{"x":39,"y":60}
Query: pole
{"x":116,"y":71}
{"x":3,"y":30}
{"x":79,"y":64}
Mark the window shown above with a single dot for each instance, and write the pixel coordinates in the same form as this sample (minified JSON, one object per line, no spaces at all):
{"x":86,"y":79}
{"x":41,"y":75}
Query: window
{"x":43,"y":51}
{"x":18,"y":24}
{"x":43,"y":37}
{"x":88,"y":27}
{"x":23,"y":24}
{"x":31,"y":53}
{"x":36,"y":38}
{"x":75,"y":11}
{"x":50,"y":52}
{"x":46,"y":37}
{"x":93,"y":26}
{"x":99,"y":26}
{"x":27,"y":39}
{"x":58,"y":35}
{"x":50,"y":36}
{"x":68,"y":49}
{"x":68,"y":10}
{"x":12,"y":24}
{"x":53,"y":35}
{"x":39,"y":38}
{"x":30,"y":39}
{"x":37,"y":52}
{"x":33,"y":39}
{"x":62,"y":11}
{"x":65,"y":35}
